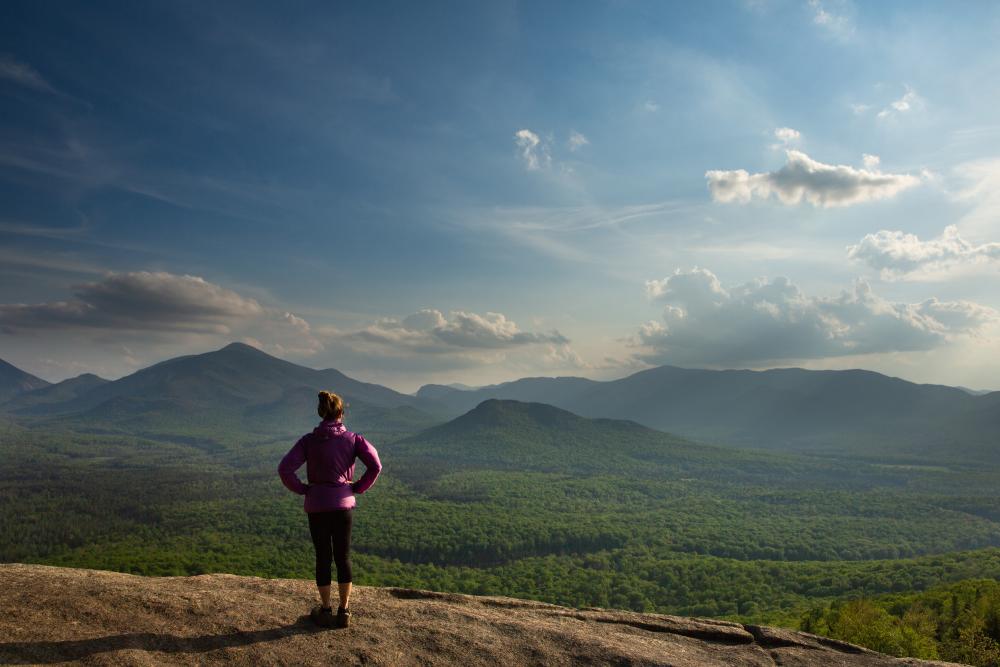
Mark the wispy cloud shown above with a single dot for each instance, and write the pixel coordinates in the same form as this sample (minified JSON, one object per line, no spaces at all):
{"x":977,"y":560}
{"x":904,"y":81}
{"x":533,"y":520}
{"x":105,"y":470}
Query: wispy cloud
{"x":23,"y":74}
{"x":576,"y":141}
{"x":834,"y":16}
{"x":904,"y":104}
{"x":534,"y":152}
{"x":803,"y":178}
{"x":564,"y":233}
{"x":979,"y":188}
{"x":51,"y":262}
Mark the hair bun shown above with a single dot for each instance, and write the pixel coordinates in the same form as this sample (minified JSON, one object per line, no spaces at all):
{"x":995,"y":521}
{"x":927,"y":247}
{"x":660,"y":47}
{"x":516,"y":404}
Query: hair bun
{"x":331,"y":406}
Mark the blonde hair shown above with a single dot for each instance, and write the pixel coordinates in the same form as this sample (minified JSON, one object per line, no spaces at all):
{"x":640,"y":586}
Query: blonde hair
{"x":331,"y":406}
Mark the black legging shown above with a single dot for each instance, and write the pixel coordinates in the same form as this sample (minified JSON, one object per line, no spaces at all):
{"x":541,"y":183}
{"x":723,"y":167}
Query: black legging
{"x":331,"y":535}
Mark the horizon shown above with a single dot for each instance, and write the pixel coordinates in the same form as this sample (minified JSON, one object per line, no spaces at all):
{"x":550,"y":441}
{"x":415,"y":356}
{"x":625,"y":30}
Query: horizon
{"x":475,"y":194}
{"x":412,"y":391}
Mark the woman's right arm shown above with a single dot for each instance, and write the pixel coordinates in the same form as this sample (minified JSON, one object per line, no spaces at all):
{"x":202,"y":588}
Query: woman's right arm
{"x":292,"y":461}
{"x":366,"y":452}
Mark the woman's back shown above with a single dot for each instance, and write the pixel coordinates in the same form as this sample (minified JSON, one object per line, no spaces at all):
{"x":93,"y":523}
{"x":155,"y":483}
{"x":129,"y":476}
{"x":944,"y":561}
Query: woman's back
{"x":329,"y":452}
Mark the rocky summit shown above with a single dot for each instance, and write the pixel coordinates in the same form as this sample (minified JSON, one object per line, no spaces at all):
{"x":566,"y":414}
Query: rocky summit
{"x":52,"y":615}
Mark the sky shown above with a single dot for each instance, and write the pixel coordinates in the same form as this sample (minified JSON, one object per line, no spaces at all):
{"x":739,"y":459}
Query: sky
{"x":476,"y":192}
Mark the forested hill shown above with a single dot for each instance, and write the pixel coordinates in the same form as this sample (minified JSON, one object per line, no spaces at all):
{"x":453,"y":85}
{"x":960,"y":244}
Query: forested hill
{"x":41,"y":400}
{"x":539,"y":438}
{"x":14,"y":381}
{"x":845,"y":413}
{"x":215,"y":619}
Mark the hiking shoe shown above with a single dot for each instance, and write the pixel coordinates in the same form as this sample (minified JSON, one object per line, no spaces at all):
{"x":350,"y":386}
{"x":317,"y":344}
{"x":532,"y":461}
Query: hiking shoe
{"x":343,"y":617}
{"x":324,"y":618}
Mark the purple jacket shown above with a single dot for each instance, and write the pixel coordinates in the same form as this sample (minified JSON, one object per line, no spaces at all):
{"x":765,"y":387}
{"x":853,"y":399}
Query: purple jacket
{"x":329,"y":453}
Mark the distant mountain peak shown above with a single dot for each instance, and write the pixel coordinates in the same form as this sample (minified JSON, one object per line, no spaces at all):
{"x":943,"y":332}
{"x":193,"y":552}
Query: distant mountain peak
{"x":236,"y":346}
{"x":503,"y":413}
{"x":503,"y":406}
{"x":14,"y":381}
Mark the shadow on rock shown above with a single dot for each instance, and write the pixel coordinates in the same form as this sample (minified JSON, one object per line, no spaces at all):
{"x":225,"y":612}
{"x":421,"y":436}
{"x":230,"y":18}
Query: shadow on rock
{"x":21,"y":653}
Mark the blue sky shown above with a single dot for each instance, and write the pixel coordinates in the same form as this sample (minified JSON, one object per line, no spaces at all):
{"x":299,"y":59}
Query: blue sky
{"x":416,"y":192}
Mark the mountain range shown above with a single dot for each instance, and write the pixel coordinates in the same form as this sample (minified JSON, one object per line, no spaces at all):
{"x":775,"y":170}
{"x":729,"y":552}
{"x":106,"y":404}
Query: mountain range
{"x":241,"y":389}
{"x":829,"y":412}
{"x":237,"y":390}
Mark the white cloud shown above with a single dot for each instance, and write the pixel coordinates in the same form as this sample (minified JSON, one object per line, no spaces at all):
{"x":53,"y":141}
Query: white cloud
{"x":534,"y":151}
{"x":650,"y":106}
{"x":429,"y":331}
{"x":898,"y":255}
{"x":765,"y":321}
{"x":23,"y":74}
{"x":802,"y":178}
{"x":428,"y":345}
{"x":576,"y":141}
{"x":871,"y":162}
{"x":904,"y":104}
{"x":787,"y":135}
{"x":860,"y":109}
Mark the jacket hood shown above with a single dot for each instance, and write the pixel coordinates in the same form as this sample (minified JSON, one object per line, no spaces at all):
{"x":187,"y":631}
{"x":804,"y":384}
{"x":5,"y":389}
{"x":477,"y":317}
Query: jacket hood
{"x":329,"y":428}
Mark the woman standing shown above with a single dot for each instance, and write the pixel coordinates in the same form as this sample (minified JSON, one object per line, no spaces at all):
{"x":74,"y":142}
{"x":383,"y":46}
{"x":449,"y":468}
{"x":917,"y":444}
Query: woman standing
{"x":329,"y":452}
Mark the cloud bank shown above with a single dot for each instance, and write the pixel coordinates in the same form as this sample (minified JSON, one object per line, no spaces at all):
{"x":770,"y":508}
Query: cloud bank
{"x":898,"y":255}
{"x":429,"y":331}
{"x":147,"y":316}
{"x":140,"y":301}
{"x":802,"y":178}
{"x":764,"y":321}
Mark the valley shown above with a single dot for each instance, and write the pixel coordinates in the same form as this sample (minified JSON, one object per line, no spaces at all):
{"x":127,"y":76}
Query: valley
{"x":174,"y":472}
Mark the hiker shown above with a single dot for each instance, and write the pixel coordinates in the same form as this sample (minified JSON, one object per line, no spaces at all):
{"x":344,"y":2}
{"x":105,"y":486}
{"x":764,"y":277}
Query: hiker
{"x":329,"y":452}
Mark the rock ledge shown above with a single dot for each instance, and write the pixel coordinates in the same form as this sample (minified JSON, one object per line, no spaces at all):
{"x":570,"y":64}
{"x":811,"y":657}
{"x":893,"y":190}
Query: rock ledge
{"x":50,"y":615}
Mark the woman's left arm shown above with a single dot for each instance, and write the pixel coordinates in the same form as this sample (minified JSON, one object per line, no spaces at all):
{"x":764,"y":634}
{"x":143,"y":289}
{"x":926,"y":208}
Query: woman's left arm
{"x":366,"y":452}
{"x":292,"y":461}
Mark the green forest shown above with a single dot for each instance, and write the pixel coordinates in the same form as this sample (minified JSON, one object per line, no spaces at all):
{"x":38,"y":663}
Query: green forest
{"x":957,"y":622}
{"x":899,"y":558}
